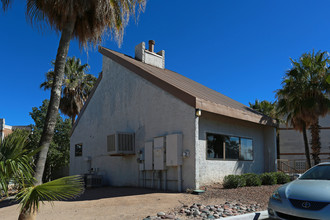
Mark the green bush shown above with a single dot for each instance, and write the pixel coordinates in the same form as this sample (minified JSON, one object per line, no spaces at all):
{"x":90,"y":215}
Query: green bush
{"x":268,"y":179}
{"x":233,"y":181}
{"x":281,"y":178}
{"x":252,"y":179}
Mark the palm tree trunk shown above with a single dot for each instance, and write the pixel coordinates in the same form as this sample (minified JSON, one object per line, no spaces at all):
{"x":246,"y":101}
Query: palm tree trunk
{"x":55,"y":97}
{"x":316,"y":144}
{"x":73,"y":120}
{"x":308,"y":158}
{"x":27,"y":216}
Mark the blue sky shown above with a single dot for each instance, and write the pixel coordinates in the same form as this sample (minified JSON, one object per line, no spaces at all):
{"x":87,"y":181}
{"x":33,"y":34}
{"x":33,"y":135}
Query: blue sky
{"x":239,"y":48}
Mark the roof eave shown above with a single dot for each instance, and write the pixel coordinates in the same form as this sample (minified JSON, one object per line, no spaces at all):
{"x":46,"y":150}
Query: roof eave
{"x":234,"y":113}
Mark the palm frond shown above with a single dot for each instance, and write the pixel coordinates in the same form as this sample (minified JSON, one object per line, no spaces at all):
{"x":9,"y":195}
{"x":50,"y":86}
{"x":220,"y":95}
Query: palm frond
{"x":5,"y":4}
{"x":60,"y":189}
{"x":15,"y":160}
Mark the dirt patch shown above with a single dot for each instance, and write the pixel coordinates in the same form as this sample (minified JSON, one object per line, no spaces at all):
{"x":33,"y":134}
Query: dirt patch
{"x":137,"y":203}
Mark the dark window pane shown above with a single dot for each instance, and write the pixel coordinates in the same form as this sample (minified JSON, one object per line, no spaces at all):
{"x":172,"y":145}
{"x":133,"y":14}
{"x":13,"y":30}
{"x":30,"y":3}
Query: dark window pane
{"x":215,"y":146}
{"x":232,"y":148}
{"x":78,"y":150}
{"x":246,"y":149}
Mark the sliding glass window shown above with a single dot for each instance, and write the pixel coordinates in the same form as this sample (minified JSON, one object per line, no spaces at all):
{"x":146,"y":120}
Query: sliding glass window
{"x":228,"y":147}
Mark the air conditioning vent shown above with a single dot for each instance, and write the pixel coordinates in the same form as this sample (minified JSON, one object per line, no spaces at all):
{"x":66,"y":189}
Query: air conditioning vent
{"x":120,"y":144}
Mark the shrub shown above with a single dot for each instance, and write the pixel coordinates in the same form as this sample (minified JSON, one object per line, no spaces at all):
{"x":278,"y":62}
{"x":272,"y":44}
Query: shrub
{"x":252,"y":179}
{"x":268,"y":179}
{"x":281,"y":178}
{"x":233,"y":181}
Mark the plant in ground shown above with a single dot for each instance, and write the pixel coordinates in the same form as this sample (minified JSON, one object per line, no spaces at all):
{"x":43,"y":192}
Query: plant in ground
{"x":233,"y":181}
{"x":15,"y":161}
{"x":252,"y":179}
{"x":268,"y":179}
{"x":281,"y":178}
{"x":60,"y":189}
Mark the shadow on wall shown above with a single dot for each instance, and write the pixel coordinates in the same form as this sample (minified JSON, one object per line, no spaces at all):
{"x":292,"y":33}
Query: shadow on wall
{"x":265,"y":119}
{"x":244,"y":167}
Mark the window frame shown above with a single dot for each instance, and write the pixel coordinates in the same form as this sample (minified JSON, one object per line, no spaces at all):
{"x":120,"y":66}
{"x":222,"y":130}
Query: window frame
{"x":224,"y":147}
{"x":75,"y":150}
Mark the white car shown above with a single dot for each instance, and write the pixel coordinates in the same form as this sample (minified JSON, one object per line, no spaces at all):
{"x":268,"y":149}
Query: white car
{"x":307,"y":197}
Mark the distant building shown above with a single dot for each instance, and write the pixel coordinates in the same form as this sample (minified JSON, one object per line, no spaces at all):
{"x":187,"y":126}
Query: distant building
{"x":292,"y":148}
{"x":8,"y":129}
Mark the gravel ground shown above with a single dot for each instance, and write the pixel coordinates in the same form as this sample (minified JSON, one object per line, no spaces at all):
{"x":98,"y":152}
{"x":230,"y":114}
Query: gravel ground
{"x":253,"y":194}
{"x":219,"y":202}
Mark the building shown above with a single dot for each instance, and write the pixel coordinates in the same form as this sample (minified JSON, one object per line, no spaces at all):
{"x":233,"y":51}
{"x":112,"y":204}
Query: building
{"x":7,"y":129}
{"x":292,"y":148}
{"x":144,"y":125}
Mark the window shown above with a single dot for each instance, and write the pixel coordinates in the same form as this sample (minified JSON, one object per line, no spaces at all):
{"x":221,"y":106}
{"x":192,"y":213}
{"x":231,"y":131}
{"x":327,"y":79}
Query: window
{"x":228,"y":148}
{"x":78,"y":150}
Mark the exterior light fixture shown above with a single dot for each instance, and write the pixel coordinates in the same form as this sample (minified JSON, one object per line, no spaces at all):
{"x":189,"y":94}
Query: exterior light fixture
{"x":198,"y":112}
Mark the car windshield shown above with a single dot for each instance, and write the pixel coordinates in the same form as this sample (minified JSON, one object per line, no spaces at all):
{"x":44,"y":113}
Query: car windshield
{"x":321,"y":172}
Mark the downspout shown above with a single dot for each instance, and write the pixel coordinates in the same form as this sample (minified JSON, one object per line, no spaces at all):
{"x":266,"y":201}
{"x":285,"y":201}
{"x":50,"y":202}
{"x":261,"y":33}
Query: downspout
{"x":179,"y":179}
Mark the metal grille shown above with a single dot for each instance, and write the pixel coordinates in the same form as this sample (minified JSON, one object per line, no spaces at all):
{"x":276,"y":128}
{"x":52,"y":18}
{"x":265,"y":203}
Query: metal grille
{"x":308,"y":205}
{"x":300,"y":165}
{"x":111,"y":142}
{"x":125,"y":142}
{"x":291,"y":217}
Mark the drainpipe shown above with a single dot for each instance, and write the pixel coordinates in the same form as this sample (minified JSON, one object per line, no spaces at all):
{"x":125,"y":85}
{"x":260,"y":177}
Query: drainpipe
{"x":152,"y":179}
{"x":159,"y":179}
{"x":179,"y":178}
{"x":165,"y":180}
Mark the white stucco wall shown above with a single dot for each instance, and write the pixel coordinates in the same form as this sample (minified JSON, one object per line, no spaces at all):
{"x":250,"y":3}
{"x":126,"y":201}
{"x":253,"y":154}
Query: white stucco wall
{"x":126,"y":102}
{"x":208,"y":171}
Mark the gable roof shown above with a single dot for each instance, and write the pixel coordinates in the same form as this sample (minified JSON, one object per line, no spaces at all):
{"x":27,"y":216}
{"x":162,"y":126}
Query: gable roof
{"x":189,"y":91}
{"x":185,"y":89}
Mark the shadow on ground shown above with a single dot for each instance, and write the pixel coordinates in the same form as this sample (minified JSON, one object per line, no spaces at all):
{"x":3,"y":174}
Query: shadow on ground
{"x":112,"y":192}
{"x":8,"y":202}
{"x":100,"y":193}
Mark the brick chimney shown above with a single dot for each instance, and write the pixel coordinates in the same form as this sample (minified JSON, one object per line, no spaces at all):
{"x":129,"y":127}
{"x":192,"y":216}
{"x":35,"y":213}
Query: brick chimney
{"x":149,"y":56}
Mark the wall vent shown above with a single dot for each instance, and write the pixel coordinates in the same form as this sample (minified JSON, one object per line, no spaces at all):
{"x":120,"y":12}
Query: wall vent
{"x":120,"y":144}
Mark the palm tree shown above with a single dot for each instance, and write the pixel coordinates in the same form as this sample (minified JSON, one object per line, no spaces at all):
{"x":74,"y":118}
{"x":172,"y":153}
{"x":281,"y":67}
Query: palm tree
{"x":75,"y":89}
{"x":60,"y":189}
{"x":86,"y":21}
{"x":268,"y":108}
{"x":15,"y":161}
{"x":303,"y":98}
{"x":265,"y":107}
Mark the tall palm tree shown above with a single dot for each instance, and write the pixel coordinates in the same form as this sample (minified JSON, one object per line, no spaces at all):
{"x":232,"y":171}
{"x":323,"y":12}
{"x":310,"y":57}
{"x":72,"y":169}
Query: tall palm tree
{"x":85,"y":21}
{"x":303,"y":98}
{"x":75,"y":88}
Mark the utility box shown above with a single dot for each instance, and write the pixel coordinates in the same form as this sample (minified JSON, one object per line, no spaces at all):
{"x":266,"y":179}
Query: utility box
{"x":174,"y":150}
{"x":148,"y":156}
{"x":159,"y":153}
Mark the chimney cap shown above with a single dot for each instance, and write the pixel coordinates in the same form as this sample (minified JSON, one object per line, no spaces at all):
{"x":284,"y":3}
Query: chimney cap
{"x":152,"y":42}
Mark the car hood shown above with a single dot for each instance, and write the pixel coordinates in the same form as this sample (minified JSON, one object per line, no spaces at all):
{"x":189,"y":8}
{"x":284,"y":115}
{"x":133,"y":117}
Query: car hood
{"x":311,"y":190}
